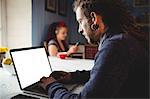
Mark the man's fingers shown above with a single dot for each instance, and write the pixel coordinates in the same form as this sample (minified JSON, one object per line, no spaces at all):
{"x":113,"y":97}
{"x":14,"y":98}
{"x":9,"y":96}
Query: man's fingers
{"x":63,"y":73}
{"x":43,"y":79}
{"x":42,"y":85}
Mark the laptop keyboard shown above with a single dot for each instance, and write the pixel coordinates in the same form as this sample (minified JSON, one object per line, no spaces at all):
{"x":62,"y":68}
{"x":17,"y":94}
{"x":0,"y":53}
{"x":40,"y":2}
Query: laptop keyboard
{"x":36,"y":88}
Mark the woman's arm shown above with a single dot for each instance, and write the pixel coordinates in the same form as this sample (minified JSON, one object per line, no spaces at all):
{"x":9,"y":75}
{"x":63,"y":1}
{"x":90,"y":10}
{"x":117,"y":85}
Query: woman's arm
{"x":53,"y":50}
{"x":72,"y":49}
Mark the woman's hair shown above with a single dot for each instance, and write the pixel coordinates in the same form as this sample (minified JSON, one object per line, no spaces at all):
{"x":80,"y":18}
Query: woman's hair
{"x":115,"y":15}
{"x":52,"y":30}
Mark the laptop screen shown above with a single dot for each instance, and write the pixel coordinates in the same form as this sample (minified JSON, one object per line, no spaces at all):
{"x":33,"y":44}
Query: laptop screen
{"x":31,"y":65}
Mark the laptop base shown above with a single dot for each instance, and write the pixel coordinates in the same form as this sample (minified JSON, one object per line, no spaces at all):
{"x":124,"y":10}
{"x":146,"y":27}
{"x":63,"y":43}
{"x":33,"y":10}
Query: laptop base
{"x":21,"y":96}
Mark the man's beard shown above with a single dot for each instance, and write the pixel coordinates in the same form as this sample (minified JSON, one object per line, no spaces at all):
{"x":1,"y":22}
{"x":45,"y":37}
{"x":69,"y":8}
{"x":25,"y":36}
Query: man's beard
{"x":93,"y":38}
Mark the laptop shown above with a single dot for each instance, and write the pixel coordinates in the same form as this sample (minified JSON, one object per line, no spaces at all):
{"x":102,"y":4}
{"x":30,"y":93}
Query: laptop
{"x":30,"y":65}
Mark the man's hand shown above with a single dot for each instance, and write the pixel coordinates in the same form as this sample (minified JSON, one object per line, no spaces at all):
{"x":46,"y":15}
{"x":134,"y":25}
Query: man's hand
{"x":61,"y":76}
{"x":44,"y":81}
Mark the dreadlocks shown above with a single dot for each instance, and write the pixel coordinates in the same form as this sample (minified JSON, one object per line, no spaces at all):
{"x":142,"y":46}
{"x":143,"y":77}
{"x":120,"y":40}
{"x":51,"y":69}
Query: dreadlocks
{"x":115,"y":15}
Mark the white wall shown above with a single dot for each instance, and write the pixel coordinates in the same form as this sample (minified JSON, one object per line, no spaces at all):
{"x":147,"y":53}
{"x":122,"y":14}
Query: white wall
{"x":19,"y":23}
{"x":3,"y":34}
{"x":3,"y":24}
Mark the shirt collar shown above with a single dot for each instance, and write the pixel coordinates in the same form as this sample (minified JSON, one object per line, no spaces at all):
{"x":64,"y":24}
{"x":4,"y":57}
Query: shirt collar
{"x":103,"y":38}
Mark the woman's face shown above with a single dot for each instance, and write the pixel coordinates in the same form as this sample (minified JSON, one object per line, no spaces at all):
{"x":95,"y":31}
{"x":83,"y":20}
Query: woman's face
{"x":61,"y":33}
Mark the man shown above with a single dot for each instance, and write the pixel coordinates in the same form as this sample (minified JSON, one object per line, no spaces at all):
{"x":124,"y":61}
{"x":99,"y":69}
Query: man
{"x":121,"y":64}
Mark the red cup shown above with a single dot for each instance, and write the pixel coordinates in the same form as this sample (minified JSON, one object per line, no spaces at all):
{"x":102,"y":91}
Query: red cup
{"x":62,"y":55}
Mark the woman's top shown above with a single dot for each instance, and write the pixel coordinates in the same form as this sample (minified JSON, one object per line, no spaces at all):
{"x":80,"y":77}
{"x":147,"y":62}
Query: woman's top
{"x":55,"y":42}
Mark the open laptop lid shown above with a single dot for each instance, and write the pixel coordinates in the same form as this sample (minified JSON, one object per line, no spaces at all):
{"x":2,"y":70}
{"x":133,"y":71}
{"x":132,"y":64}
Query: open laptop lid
{"x":30,"y":64}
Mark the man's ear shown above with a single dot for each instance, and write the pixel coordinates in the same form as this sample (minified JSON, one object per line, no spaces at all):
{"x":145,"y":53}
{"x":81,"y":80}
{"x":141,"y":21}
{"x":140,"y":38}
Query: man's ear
{"x":94,"y":17}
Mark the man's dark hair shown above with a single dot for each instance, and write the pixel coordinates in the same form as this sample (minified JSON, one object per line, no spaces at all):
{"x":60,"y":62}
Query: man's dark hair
{"x":114,"y":14}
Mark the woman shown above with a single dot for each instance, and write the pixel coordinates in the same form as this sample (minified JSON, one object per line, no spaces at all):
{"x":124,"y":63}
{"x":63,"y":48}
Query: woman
{"x":57,"y":35}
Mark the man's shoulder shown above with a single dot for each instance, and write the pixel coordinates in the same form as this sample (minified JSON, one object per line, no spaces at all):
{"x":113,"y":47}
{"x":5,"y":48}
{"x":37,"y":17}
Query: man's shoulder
{"x":118,"y":37}
{"x":121,"y":41}
{"x":121,"y":38}
{"x":113,"y":39}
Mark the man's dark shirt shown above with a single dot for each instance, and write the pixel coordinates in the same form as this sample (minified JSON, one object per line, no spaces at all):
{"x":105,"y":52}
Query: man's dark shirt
{"x":120,"y":70}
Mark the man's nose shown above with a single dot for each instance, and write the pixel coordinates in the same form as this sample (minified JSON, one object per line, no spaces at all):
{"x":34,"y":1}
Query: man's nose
{"x":80,"y":30}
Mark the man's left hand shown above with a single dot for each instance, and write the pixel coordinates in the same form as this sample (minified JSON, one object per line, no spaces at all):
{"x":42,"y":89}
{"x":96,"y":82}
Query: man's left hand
{"x":44,"y":81}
